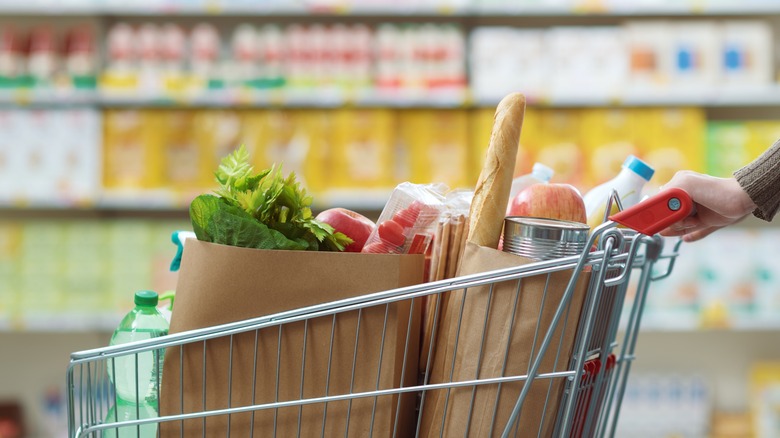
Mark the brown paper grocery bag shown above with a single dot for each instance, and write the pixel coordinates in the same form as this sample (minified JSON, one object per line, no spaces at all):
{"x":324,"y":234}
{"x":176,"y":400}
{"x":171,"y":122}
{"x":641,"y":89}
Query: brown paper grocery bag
{"x":468,"y":412}
{"x":220,"y":284}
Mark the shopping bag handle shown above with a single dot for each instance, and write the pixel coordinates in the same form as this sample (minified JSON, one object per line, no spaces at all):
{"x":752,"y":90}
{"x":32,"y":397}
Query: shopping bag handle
{"x":657,"y":212}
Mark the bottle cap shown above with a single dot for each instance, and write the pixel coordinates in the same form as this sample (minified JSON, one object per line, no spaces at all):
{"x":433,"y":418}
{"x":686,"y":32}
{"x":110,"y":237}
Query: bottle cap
{"x":639,"y":167}
{"x":146,"y":298}
{"x":545,"y":173}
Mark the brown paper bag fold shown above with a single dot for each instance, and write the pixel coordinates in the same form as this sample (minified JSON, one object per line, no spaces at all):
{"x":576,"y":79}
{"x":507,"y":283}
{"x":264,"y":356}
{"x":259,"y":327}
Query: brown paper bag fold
{"x":492,"y":341}
{"x":220,"y":284}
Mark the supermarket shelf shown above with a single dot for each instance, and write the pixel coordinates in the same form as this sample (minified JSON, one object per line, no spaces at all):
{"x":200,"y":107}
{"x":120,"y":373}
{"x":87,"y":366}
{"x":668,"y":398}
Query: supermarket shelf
{"x":741,"y":326}
{"x":345,"y":9}
{"x":723,"y":97}
{"x":62,"y":323}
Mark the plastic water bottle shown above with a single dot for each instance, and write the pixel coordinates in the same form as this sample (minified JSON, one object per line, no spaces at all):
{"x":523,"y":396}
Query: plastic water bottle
{"x":628,"y":184}
{"x":539,"y":174}
{"x":123,"y":411}
{"x":136,"y":377}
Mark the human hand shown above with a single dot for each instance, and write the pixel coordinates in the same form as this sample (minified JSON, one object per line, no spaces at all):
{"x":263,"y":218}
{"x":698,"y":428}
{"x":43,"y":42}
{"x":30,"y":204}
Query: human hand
{"x":719,"y":202}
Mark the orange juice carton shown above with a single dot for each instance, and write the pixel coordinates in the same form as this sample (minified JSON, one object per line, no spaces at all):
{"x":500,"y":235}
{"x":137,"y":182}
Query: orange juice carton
{"x":363,"y":144}
{"x":726,"y":149}
{"x":278,"y":138}
{"x":436,"y":143}
{"x":672,"y":139}
{"x":608,"y":136}
{"x":317,"y":127}
{"x":130,"y":150}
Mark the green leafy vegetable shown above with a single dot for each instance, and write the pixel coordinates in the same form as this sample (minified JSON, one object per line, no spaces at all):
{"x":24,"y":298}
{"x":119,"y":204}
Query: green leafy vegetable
{"x":265,"y":211}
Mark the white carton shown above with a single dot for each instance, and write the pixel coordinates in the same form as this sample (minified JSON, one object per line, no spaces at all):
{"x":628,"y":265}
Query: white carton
{"x":746,"y":56}
{"x":693,"y":69}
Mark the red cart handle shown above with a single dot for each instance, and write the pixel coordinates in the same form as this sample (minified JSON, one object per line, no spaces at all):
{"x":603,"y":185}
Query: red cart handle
{"x":657,"y":212}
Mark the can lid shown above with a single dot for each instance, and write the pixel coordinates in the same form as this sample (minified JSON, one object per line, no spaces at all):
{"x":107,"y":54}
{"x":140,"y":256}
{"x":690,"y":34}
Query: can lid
{"x":146,"y":298}
{"x":544,"y":229}
{"x":639,"y":167}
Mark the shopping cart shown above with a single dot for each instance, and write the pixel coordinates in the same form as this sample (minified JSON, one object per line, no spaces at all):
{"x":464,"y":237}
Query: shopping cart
{"x":579,"y":396}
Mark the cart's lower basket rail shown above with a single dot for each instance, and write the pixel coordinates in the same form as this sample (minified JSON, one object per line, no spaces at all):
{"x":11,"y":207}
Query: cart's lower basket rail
{"x":523,"y":351}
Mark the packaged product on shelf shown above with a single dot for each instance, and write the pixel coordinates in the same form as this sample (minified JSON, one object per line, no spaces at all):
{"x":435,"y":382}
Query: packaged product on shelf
{"x":746,"y":55}
{"x":218,"y":132}
{"x":299,"y":56}
{"x":764,"y":398}
{"x":695,"y":55}
{"x":560,"y":145}
{"x":766,"y":263}
{"x":672,"y":139}
{"x":317,"y":127}
{"x":650,"y":54}
{"x":42,"y":58}
{"x":278,"y":136}
{"x":245,"y":54}
{"x":131,"y":149}
{"x":271,"y":41}
{"x":761,"y":135}
{"x":79,"y":139}
{"x":205,"y":57}
{"x":120,"y":73}
{"x":36,"y":145}
{"x":150,"y":66}
{"x":11,"y":158}
{"x":81,"y":58}
{"x":10,"y":234}
{"x":389,"y":57}
{"x":363,"y":142}
{"x":12,"y":57}
{"x":676,"y":302}
{"x":505,"y":59}
{"x":436,"y":143}
{"x":726,"y":147}
{"x":172,"y":59}
{"x":585,"y":62}
{"x":608,"y":136}
{"x":186,"y":164}
{"x":40,"y":268}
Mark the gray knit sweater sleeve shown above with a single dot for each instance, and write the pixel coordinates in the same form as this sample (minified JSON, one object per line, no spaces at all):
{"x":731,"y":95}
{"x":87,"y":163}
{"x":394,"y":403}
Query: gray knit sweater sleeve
{"x":761,"y":181}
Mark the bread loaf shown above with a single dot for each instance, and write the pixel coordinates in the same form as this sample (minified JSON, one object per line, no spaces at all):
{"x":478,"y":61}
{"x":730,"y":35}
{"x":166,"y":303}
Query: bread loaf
{"x":488,"y":208}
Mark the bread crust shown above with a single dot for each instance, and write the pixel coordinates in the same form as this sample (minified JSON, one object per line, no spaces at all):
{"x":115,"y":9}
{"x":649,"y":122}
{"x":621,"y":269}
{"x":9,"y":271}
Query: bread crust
{"x":488,"y":207}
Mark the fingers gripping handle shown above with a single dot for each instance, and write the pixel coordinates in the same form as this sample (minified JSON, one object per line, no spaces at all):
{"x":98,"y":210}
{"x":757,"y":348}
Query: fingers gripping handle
{"x":656,"y":213}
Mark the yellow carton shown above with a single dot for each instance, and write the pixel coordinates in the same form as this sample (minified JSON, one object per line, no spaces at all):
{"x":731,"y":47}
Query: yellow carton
{"x":184,"y":163}
{"x":609,"y":135}
{"x":762,"y":134}
{"x":218,"y":133}
{"x":363,"y":146}
{"x":560,"y":146}
{"x":317,"y":127}
{"x":672,"y":139}
{"x":435,"y":144}
{"x":132,"y":145}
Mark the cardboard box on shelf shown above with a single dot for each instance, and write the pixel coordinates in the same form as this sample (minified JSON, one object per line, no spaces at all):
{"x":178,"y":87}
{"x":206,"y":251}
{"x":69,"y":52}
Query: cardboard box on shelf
{"x":695,"y":56}
{"x":436,"y":143}
{"x":746,"y":55}
{"x":363,"y":144}
{"x":762,"y":134}
{"x":185,"y":163}
{"x":317,"y":127}
{"x":78,"y":136}
{"x":650,"y":55}
{"x":131,"y":149}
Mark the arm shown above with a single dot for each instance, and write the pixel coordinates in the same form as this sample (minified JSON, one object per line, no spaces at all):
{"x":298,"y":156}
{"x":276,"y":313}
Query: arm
{"x":761,"y":181}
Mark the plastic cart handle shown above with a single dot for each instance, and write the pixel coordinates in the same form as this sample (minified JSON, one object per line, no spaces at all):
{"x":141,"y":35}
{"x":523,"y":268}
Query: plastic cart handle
{"x":657,"y":212}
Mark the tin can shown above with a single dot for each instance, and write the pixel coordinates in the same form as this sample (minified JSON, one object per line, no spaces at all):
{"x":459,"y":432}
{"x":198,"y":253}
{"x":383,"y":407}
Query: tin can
{"x":544,"y":239}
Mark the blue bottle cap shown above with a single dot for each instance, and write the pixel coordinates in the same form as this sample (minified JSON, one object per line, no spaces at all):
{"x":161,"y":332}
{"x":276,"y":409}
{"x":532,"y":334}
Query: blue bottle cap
{"x":639,"y":167}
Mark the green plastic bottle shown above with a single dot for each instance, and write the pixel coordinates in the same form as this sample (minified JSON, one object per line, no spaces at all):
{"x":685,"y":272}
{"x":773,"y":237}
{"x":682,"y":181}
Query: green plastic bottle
{"x":136,"y":377}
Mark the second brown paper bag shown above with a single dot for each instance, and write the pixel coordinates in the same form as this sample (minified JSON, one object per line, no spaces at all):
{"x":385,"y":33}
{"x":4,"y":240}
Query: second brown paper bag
{"x":220,"y":284}
{"x":480,"y":337}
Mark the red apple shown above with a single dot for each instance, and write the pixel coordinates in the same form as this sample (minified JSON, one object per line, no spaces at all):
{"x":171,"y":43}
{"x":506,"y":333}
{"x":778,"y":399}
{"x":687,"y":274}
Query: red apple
{"x":550,"y":200}
{"x":354,"y":225}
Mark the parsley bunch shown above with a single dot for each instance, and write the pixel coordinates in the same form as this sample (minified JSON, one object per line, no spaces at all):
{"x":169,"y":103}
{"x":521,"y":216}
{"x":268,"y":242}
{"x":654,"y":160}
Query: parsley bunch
{"x":264,"y":211}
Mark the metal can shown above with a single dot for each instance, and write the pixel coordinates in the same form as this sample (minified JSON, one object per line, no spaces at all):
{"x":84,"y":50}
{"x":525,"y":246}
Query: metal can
{"x":544,"y":239}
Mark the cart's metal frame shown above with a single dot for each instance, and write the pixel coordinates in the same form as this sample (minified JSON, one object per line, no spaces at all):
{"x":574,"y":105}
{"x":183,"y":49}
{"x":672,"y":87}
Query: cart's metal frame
{"x":620,"y":251}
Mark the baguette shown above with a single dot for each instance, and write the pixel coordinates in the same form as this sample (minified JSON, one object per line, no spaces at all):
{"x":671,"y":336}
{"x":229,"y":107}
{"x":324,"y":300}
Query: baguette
{"x":488,"y":208}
